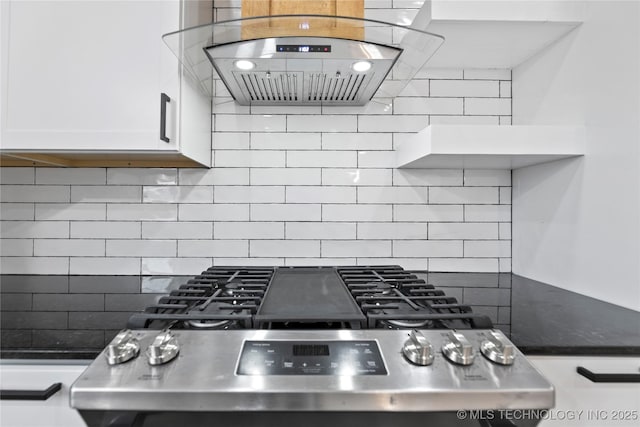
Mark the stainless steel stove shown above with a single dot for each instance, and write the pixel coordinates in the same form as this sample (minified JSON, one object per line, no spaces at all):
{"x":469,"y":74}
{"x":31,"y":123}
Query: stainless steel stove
{"x":345,"y":346}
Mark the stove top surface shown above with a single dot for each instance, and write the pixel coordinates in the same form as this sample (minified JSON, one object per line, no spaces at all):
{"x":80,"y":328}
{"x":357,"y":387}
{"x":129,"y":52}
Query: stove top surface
{"x":359,"y":297}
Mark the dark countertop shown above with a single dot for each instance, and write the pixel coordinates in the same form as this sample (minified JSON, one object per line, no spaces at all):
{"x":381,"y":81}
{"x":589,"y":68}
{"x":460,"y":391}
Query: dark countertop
{"x":74,"y":317}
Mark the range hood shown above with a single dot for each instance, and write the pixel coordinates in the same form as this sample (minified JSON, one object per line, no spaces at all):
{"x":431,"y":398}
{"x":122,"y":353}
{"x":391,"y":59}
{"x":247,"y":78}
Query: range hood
{"x":293,"y":59}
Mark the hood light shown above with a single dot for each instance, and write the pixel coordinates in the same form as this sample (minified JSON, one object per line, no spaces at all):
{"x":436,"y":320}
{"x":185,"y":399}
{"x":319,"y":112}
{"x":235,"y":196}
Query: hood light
{"x":361,"y":66}
{"x":243,"y":64}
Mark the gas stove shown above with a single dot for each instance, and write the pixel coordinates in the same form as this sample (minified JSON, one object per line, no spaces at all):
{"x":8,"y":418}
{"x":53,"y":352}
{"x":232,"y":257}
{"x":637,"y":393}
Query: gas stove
{"x":267,"y":346}
{"x":363,"y":297}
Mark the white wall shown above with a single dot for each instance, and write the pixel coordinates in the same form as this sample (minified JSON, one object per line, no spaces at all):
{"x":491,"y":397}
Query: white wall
{"x":576,"y":222}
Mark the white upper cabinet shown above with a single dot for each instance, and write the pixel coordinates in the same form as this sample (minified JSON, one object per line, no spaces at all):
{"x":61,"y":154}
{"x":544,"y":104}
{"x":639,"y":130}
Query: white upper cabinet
{"x":88,"y":77}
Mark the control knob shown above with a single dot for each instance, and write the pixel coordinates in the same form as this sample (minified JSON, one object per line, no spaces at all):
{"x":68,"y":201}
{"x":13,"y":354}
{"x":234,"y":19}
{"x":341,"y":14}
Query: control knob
{"x":122,"y":348}
{"x":417,"y":349}
{"x":163,"y":349}
{"x":458,"y":349}
{"x":498,"y":349}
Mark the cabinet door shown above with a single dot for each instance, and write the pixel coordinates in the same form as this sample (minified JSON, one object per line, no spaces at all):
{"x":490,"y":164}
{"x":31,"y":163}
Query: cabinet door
{"x":580,"y":402}
{"x":53,"y":412}
{"x":88,"y":75}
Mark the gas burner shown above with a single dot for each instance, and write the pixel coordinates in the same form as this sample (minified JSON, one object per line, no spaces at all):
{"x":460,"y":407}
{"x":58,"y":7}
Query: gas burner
{"x":407,"y":324}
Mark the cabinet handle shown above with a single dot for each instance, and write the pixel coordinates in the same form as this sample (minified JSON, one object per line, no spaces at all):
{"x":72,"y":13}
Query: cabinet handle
{"x":164,"y":99}
{"x":608,"y":378}
{"x":30,"y":394}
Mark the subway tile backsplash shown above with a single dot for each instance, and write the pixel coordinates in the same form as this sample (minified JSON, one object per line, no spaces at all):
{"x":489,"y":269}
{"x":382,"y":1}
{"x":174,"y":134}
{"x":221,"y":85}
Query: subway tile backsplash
{"x":289,"y":186}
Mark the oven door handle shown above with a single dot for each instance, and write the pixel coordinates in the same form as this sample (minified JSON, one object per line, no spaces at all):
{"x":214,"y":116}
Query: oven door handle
{"x":606,"y":377}
{"x":31,"y":394}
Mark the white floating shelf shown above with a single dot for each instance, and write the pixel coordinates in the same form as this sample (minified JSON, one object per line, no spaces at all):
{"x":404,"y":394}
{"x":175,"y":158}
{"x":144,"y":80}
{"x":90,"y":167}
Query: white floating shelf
{"x":489,"y":147}
{"x":498,"y":34}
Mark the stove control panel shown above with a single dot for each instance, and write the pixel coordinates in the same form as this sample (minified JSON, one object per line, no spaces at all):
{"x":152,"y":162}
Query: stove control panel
{"x":311,"y":358}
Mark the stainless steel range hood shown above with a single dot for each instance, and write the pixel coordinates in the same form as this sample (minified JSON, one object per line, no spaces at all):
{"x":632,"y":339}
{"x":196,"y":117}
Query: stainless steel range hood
{"x":296,"y":63}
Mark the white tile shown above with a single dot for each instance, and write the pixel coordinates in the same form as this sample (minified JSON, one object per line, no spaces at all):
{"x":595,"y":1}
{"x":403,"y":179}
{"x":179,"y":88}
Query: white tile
{"x":71,"y":211}
{"x":285,"y":176}
{"x":285,"y":212}
{"x":17,"y":211}
{"x":487,"y":74}
{"x":427,"y":177}
{"x":244,"y":194}
{"x":332,"y":159}
{"x":147,"y":176}
{"x":326,"y":194}
{"x":226,"y":105}
{"x":504,"y":230}
{"x":105,"y":230}
{"x":376,"y":4}
{"x":356,"y":141}
{"x":416,"y":87}
{"x":177,"y":194}
{"x":36,"y":229}
{"x":356,"y":212}
{"x":110,"y":266}
{"x":504,"y":265}
{"x":487,"y":177}
{"x":427,"y":249}
{"x":394,"y":230}
{"x":420,"y":213}
{"x":468,"y":230}
{"x":464,"y":120}
{"x":174,"y":266}
{"x":356,"y":177}
{"x":213,"y":212}
{"x":228,"y":3}
{"x":328,"y":123}
{"x":356,"y":248}
{"x":177,"y":230}
{"x":286,"y":109}
{"x":504,"y":120}
{"x":71,"y":247}
{"x":32,"y":193}
{"x":487,"y":106}
{"x":392,"y":195}
{"x":220,"y":90}
{"x":142,"y":212}
{"x":320,"y":230}
{"x":226,"y":14}
{"x":214,"y":176}
{"x":406,"y":263}
{"x":505,"y":195}
{"x":439,"y":73}
{"x":312,"y":262}
{"x":457,"y":195}
{"x":466,"y":88}
{"x":487,"y":213}
{"x":104,"y":193}
{"x":141,"y":248}
{"x":505,"y":89}
{"x":428,"y":106}
{"x":285,"y":141}
{"x":248,"y":230}
{"x":249,"y":123}
{"x":33,"y":265}
{"x":213,"y":248}
{"x":487,"y":248}
{"x":376,"y":159}
{"x":17,"y":175}
{"x":395,"y":123}
{"x":249,"y":158}
{"x":16,"y":247}
{"x":394,"y":16}
{"x":375,"y":106}
{"x":230,"y":141}
{"x":464,"y":265}
{"x":254,"y":262}
{"x":284,"y":248}
{"x":86,"y":176}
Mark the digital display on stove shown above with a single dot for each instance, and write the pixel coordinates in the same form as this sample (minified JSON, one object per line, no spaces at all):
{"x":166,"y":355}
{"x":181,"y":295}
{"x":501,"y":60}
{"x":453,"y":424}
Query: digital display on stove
{"x":361,"y":357}
{"x":310,"y":350}
{"x":319,"y":48}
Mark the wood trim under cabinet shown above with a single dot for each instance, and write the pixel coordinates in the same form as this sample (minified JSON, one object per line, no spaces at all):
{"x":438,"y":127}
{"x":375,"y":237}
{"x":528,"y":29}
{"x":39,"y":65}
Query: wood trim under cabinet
{"x":121,"y":160}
